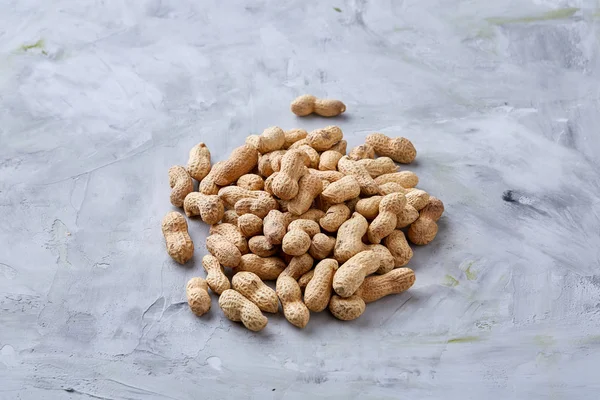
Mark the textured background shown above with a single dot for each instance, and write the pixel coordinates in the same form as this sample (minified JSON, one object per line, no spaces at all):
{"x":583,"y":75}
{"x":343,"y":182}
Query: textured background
{"x":99,"y":98}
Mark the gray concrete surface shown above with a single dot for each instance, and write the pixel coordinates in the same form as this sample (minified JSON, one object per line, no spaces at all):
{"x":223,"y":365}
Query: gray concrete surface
{"x":98,"y":99}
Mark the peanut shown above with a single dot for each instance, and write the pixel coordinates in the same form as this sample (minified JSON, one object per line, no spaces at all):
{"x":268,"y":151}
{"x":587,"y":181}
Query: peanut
{"x":407,"y":216}
{"x":396,"y":281}
{"x":207,"y":185}
{"x":398,"y":149}
{"x":417,"y":198}
{"x":267,"y":269}
{"x":241,"y":161}
{"x":340,"y":191}
{"x":274,"y":227}
{"x":215,"y":277}
{"x":297,"y":144}
{"x":318,"y":290}
{"x":349,"y":238}
{"x":251,"y":182}
{"x":385,"y":222}
{"x":298,"y":266}
{"x":398,"y":246}
{"x":330,"y":176}
{"x":181,"y":184}
{"x":323,"y":139}
{"x":285,"y":184}
{"x":308,"y":104}
{"x":352,"y":273}
{"x":313,"y":214}
{"x":259,"y":206}
{"x":210,"y":208}
{"x":391,"y":187}
{"x":199,"y":162}
{"x":238,"y":308}
{"x":260,"y":246}
{"x":379,"y":166}
{"x":225,"y":251}
{"x":271,"y":139}
{"x":250,"y":225}
{"x":340,"y":147}
{"x":309,"y":187}
{"x":232,"y":194}
{"x":387,"y":261}
{"x":232,"y":234}
{"x":270,"y":162}
{"x":329,"y":160}
{"x":347,"y":309}
{"x":368,"y":187}
{"x":296,"y":242}
{"x":321,"y":246}
{"x":292,"y":136}
{"x":369,"y":207}
{"x":305,"y":279}
{"x":361,"y":152}
{"x":406,"y":179}
{"x":254,"y":289}
{"x":425,"y":228}
{"x":312,"y":155}
{"x":307,"y":225}
{"x":335,"y":216}
{"x":179,"y":244}
{"x":230,"y":217}
{"x":197,"y":296}
{"x":290,"y":295}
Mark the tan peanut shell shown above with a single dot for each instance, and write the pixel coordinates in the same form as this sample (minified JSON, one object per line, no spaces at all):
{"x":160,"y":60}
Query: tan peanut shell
{"x":254,"y":289}
{"x":274,"y":227}
{"x":398,"y":246}
{"x":297,"y":144}
{"x":312,"y":214}
{"x":181,"y":184}
{"x":230,"y":217}
{"x":347,"y":309}
{"x":270,"y":162}
{"x":237,"y":308}
{"x":379,"y":166}
{"x":210,"y":208}
{"x":377,"y":286}
{"x":321,"y":246}
{"x":215,"y":277}
{"x":387,"y":262}
{"x":406,"y":179}
{"x":298,"y":266}
{"x":309,"y":188}
{"x":259,"y":206}
{"x":307,"y":225}
{"x":340,"y":147}
{"x":271,"y":139}
{"x":407,"y":216}
{"x":425,"y":228}
{"x":312,"y":156}
{"x":267,"y":269}
{"x":179,"y":244}
{"x":391,"y":187}
{"x":385,"y":222}
{"x":292,"y":136}
{"x":197,"y":296}
{"x":340,"y":191}
{"x":296,"y":242}
{"x":225,"y":251}
{"x":307,"y":104}
{"x":251,"y":182}
{"x":208,"y":186}
{"x":290,"y":295}
{"x":323,"y":139}
{"x":241,"y":161}
{"x":318,"y":290}
{"x":285,"y":184}
{"x":260,"y":246}
{"x":232,"y":234}
{"x":199,"y":162}
{"x":398,"y":149}
{"x":305,"y":278}
{"x":363,"y":151}
{"x":330,"y":176}
{"x":368,"y":187}
{"x":369,"y":207}
{"x":417,"y":198}
{"x":335,"y":216}
{"x":250,"y":225}
{"x":352,"y":273}
{"x":232,"y":194}
{"x":329,"y":160}
{"x":351,"y":204}
{"x":349,"y":238}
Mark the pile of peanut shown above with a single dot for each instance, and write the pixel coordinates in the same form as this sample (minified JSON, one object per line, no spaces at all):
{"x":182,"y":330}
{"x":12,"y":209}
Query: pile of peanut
{"x":289,"y":206}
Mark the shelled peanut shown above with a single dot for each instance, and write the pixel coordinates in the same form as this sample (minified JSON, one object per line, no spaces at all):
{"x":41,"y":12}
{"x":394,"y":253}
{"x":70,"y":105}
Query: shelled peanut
{"x":292,"y":207}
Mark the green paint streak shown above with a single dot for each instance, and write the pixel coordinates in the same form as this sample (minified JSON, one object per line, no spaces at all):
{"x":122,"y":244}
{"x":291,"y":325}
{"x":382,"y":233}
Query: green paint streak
{"x":562,"y":13}
{"x":465,"y":339}
{"x":37,"y":45}
{"x":337,"y":9}
{"x":544,"y":340}
{"x":471,"y":275}
{"x":450,"y":281}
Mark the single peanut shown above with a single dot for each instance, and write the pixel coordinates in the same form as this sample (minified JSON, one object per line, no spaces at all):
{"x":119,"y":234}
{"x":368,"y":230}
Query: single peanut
{"x":250,"y":225}
{"x":290,"y":295}
{"x":329,"y":160}
{"x":298,"y":266}
{"x":297,"y":144}
{"x":260,"y":246}
{"x":232,"y":234}
{"x":309,"y":187}
{"x":230,"y":217}
{"x":238,"y":308}
{"x":323,"y":139}
{"x":417,"y":198}
{"x":425,"y":228}
{"x":292,"y":136}
{"x":270,"y":162}
{"x":347,"y":309}
{"x":241,"y":161}
{"x":199,"y":162}
{"x":251,"y":182}
{"x":406,"y":179}
{"x":210,"y":208}
{"x":391,"y":187}
{"x":340,"y":147}
{"x":285,"y":184}
{"x":296,"y":242}
{"x":385,"y":222}
{"x":254,"y":289}
{"x":208,"y":186}
{"x":181,"y":184}
{"x":318,"y":290}
{"x":271,"y":139}
{"x":407,"y":216}
{"x":179,"y":244}
{"x":349,"y":238}
{"x":398,"y":149}
{"x":368,"y":187}
{"x":340,"y":191}
{"x":215,"y":277}
{"x":309,"y":226}
{"x":321,"y":246}
{"x":335,"y":216}
{"x":377,"y":286}
{"x":330,"y":176}
{"x":274,"y":227}
{"x":369,"y":207}
{"x":308,"y":104}
{"x":225,"y":251}
{"x":259,"y":206}
{"x":379,"y":166}
{"x":267,"y":269}
{"x":232,"y":194}
{"x":387,"y":262}
{"x":352,"y":273}
{"x":312,"y":155}
{"x":361,"y":152}
{"x":398,"y":246}
{"x":305,"y":278}
{"x":197,"y":296}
